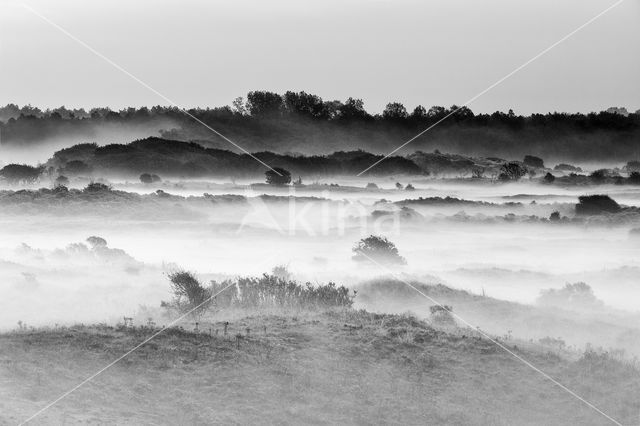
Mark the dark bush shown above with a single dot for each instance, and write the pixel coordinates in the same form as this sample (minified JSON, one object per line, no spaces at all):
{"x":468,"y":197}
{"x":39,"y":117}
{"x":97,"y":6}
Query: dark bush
{"x":554,"y":217}
{"x":533,"y":161}
{"x":596,"y":204}
{"x":96,"y":241}
{"x":97,"y":187}
{"x":511,"y":171}
{"x":147,"y":178}
{"x":20,"y":173}
{"x":549,"y":178}
{"x":562,"y":167}
{"x":377,"y":249}
{"x":278,"y":176}
{"x":189,"y":295}
{"x":598,"y":175}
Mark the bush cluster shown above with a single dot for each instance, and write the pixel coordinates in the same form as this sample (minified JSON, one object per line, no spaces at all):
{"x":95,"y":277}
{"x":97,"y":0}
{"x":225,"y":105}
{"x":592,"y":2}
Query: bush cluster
{"x":268,"y":291}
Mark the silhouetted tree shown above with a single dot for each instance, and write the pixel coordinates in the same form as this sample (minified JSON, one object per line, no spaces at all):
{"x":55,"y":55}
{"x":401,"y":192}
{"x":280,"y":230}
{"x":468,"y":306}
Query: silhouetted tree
{"x":353,"y":109}
{"x":378,"y":249}
{"x":189,"y":295}
{"x":304,"y":104}
{"x":394,"y":111}
{"x":264,"y":104}
{"x":419,"y":113}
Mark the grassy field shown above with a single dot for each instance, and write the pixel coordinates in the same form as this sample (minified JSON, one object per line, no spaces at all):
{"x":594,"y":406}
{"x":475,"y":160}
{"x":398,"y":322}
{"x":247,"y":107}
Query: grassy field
{"x":347,"y":367}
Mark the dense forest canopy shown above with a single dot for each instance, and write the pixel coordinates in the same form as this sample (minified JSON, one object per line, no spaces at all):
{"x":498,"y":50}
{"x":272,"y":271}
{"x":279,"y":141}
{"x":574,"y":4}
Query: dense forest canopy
{"x":299,"y":122}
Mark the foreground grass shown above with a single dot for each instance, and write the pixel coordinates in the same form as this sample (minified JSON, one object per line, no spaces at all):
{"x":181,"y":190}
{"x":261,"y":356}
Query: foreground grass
{"x":349,"y":367}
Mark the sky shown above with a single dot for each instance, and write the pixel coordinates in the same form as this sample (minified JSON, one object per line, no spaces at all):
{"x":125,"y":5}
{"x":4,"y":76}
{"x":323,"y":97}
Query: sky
{"x":428,"y":52}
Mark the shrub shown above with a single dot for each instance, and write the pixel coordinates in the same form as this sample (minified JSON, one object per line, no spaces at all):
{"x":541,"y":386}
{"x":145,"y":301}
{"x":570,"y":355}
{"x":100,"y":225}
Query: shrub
{"x":97,"y":187}
{"x":441,"y":315}
{"x":563,"y":167}
{"x":409,"y":187}
{"x":371,"y":185}
{"x":511,"y":171}
{"x":278,"y":176}
{"x":596,"y":204}
{"x":555,"y":216}
{"x":549,"y":178}
{"x":270,"y":291}
{"x":572,"y":296}
{"x":601,"y":175}
{"x":188,"y":294}
{"x":20,"y":173}
{"x":96,"y":241}
{"x":533,"y":161}
{"x":378,"y":249}
{"x":147,"y":178}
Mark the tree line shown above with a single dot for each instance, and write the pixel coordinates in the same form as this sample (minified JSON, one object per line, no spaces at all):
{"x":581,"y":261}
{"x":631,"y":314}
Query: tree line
{"x":305,"y":123}
{"x":262,"y":104}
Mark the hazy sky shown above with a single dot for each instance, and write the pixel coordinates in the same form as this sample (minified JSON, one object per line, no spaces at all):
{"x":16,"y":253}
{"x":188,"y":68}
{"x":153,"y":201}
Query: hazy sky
{"x":206,"y":53}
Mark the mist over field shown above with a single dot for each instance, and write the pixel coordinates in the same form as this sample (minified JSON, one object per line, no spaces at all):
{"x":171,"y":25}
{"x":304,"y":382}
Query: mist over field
{"x":107,"y":244}
{"x":339,"y":212}
{"x":488,"y":239}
